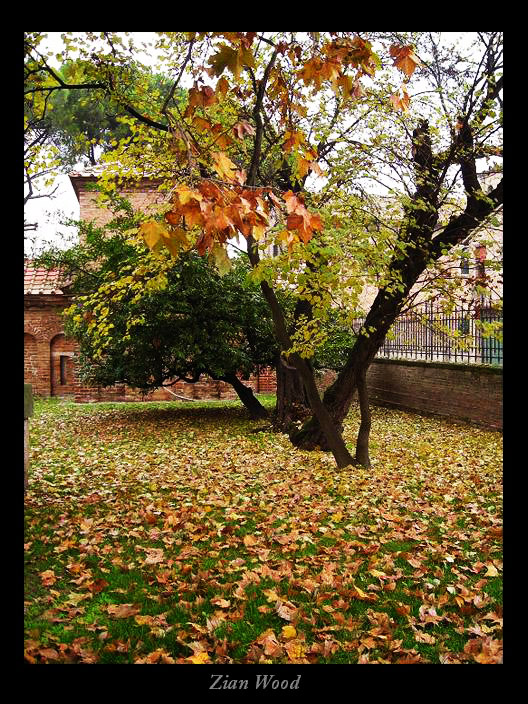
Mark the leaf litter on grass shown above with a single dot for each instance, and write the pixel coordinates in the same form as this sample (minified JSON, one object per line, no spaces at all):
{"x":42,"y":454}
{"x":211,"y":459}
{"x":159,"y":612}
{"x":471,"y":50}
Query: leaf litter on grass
{"x":159,"y":533}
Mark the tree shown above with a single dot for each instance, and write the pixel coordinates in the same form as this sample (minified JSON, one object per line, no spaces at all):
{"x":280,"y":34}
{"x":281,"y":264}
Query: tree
{"x":86,"y":123}
{"x":265,"y":114}
{"x":177,"y":319}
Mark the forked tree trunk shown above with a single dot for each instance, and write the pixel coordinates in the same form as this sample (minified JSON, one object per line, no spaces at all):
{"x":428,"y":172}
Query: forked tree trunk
{"x":339,"y":396}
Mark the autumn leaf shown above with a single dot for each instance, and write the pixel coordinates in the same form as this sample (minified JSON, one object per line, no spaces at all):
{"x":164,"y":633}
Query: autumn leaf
{"x":49,"y":653}
{"x":152,"y":232}
{"x":422,"y":637}
{"x":186,"y":194}
{"x":223,"y":166}
{"x":243,"y":128}
{"x":404,"y":59}
{"x":202,"y":97}
{"x":232,"y":59}
{"x":221,"y":259}
{"x":222,"y":603}
{"x":491,"y":571}
{"x":285,"y":612}
{"x":122,"y":610}
{"x":271,"y":595}
{"x":48,"y":577}
{"x":154,"y":556}
{"x":288,"y":632}
{"x":401,"y":102}
{"x":269,"y":642}
{"x":296,"y":649}
{"x":222,"y":86}
{"x":199,"y":658}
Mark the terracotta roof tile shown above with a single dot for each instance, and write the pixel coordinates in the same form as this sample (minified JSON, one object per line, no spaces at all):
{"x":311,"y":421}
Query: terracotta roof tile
{"x":38,"y":280}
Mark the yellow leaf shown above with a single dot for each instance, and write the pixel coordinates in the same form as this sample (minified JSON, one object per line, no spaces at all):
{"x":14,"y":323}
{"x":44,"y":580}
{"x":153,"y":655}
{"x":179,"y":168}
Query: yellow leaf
{"x":199,"y":659}
{"x":224,"y":265}
{"x":288,"y":632}
{"x":250,"y":540}
{"x":175,"y":240}
{"x":185,"y":194}
{"x":152,"y":232}
{"x":259,"y":231}
{"x":271,"y":595}
{"x":361,"y":593}
{"x":223,"y":166}
{"x":295,"y":650}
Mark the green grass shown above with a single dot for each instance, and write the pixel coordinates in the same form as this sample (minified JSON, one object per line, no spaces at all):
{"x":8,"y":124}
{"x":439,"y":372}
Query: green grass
{"x":210,"y":538}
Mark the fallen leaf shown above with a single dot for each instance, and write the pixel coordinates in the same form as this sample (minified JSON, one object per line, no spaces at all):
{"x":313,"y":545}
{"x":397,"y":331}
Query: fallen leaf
{"x":122,"y":610}
{"x":288,"y":632}
{"x":199,"y":659}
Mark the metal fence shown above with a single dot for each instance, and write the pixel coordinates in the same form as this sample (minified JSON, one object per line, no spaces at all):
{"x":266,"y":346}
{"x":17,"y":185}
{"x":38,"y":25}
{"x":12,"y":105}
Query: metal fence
{"x":428,"y":333}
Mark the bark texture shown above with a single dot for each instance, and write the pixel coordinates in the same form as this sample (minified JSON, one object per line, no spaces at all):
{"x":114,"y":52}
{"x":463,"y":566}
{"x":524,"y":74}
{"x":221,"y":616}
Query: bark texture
{"x":246,"y":395}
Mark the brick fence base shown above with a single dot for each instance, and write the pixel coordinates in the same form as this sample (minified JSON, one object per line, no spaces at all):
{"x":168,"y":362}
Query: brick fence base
{"x":469,"y":392}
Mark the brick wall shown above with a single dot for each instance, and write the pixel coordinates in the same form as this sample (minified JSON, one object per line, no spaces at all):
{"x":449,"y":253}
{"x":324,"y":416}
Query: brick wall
{"x":205,"y":389}
{"x":143,"y":197}
{"x":470,"y":392}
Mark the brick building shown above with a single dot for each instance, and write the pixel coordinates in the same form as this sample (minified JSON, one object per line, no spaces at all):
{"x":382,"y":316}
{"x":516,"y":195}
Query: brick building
{"x":49,"y":356}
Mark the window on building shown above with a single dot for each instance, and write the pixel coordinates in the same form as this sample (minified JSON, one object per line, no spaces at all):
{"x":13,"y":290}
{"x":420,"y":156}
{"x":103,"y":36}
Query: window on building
{"x":63,"y":363}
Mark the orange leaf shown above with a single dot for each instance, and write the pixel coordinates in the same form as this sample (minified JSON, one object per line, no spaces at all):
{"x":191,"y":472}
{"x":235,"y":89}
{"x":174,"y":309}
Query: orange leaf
{"x":48,"y":577}
{"x":405,"y":59}
{"x":222,"y":603}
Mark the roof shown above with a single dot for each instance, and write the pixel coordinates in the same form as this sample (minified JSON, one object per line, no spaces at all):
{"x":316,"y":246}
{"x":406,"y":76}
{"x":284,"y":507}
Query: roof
{"x":87,"y":171}
{"x":92,"y":173}
{"x":38,"y":280}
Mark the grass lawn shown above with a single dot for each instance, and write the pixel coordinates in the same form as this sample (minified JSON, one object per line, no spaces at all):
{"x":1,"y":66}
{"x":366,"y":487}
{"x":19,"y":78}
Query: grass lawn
{"x":187,"y":533}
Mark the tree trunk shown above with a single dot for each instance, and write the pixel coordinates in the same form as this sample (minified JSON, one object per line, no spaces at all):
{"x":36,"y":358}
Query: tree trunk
{"x":362,"y":443}
{"x":332,"y":435}
{"x":245,"y":394}
{"x":292,"y":405}
{"x":339,"y":396}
